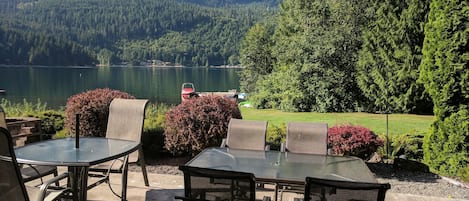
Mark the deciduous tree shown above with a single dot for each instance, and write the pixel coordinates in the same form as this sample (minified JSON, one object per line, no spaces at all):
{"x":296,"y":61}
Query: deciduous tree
{"x":255,"y":56}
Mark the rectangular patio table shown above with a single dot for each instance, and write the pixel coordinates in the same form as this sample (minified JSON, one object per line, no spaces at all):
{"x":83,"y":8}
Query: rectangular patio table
{"x":92,"y":151}
{"x":284,"y":167}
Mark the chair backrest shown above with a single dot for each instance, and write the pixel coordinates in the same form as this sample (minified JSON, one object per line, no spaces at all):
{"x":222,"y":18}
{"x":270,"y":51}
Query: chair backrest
{"x":126,"y":117}
{"x":246,"y":134}
{"x":306,"y":137}
{"x":209,"y":184}
{"x":11,"y":184}
{"x":344,"y":190}
{"x":3,"y":121}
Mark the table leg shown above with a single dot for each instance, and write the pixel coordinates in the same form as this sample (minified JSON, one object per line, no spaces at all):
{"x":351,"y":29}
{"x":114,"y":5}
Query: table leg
{"x":276,"y":192}
{"x":83,"y":183}
{"x":73,"y":182}
{"x":124,"y":178}
{"x":78,"y":182}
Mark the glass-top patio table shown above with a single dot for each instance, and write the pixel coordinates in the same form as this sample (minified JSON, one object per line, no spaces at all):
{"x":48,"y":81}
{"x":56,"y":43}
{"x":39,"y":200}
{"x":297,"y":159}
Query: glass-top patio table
{"x":284,"y":167}
{"x":91,"y":151}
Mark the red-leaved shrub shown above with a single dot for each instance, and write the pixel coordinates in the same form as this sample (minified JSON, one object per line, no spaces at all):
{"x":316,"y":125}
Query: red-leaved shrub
{"x":353,"y":140}
{"x":198,"y":123}
{"x":93,"y":107}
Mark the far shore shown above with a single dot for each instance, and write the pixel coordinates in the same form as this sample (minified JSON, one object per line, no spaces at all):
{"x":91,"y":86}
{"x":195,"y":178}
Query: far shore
{"x":119,"y":65}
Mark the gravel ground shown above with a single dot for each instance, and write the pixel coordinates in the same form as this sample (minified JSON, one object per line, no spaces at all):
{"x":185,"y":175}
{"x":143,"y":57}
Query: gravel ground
{"x":408,"y":182}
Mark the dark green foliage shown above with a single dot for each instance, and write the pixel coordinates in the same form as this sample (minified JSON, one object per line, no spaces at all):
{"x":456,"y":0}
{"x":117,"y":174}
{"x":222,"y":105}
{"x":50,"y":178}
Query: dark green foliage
{"x":387,"y":67}
{"x":52,"y":121}
{"x":20,"y":47}
{"x":227,"y":3}
{"x":410,"y":145}
{"x":316,"y":46}
{"x":134,"y":31}
{"x":93,"y":108}
{"x":255,"y":56}
{"x":199,"y":123}
{"x":353,"y":140}
{"x":445,"y":74}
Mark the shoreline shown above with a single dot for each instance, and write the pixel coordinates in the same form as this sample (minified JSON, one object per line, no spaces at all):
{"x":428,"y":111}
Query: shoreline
{"x":120,"y":66}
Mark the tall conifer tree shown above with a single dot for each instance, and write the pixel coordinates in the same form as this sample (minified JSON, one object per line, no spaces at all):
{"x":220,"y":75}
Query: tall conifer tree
{"x":387,"y":69}
{"x":445,"y":74}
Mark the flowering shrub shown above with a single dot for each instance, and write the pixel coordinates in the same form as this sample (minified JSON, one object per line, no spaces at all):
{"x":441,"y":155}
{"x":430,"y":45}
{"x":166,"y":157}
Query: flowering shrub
{"x":353,"y":140}
{"x":93,"y":107}
{"x":198,"y":123}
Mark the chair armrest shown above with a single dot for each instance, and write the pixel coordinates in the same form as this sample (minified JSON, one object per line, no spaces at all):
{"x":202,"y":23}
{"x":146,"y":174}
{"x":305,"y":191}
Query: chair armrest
{"x":47,"y":183}
{"x":223,"y":143}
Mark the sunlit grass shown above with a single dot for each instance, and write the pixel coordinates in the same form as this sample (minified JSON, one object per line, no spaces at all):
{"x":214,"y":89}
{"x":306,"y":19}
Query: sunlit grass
{"x":155,"y":113}
{"x":398,"y":123}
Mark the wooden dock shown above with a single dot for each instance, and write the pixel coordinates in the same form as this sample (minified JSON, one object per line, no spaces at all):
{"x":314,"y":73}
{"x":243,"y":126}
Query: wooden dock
{"x":230,"y":94}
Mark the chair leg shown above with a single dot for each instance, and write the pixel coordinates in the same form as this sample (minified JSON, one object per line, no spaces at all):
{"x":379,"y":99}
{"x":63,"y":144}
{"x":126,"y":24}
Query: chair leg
{"x":56,"y":173}
{"x":276,"y":192}
{"x":141,"y":159}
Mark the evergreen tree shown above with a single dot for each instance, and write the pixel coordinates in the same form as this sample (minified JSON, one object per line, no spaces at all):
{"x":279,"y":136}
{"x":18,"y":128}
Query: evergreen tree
{"x":387,"y":69}
{"x":445,"y":74}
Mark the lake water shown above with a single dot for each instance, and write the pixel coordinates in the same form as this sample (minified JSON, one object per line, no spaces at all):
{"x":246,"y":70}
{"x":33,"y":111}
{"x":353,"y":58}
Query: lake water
{"x":53,"y":85}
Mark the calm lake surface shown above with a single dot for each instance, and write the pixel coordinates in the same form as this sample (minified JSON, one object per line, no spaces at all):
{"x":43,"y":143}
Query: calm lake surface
{"x":53,"y":85}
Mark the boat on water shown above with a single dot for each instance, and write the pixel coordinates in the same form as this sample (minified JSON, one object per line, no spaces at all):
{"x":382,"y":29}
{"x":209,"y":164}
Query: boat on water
{"x":187,"y":91}
{"x":2,"y":91}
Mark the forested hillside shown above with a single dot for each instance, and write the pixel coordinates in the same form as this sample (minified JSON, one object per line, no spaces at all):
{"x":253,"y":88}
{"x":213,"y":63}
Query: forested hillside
{"x":221,"y":3}
{"x":123,"y":31}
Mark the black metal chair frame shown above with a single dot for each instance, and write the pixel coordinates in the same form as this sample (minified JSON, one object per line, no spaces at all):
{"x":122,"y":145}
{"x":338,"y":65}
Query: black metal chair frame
{"x":31,"y":172}
{"x":213,"y":175}
{"x":65,"y":192}
{"x":349,"y":185}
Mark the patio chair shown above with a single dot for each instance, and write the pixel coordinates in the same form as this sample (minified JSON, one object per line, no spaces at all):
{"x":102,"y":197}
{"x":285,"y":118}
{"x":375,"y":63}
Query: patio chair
{"x":3,"y":122}
{"x":306,"y":138}
{"x":126,"y":117}
{"x":203,"y":184}
{"x":31,"y":172}
{"x":12,"y":187}
{"x":246,"y":134}
{"x":344,"y":190}
{"x":303,"y":138}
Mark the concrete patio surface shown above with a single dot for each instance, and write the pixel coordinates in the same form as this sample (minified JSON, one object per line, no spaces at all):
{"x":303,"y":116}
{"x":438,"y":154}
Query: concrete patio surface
{"x":164,"y":187}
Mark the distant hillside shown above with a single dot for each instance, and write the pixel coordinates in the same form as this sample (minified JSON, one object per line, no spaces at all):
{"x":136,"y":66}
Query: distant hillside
{"x":222,"y":3}
{"x":123,"y":31}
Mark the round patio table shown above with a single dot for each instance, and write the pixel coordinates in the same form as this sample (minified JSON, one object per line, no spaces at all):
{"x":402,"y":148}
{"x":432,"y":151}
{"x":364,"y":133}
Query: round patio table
{"x":92,"y":151}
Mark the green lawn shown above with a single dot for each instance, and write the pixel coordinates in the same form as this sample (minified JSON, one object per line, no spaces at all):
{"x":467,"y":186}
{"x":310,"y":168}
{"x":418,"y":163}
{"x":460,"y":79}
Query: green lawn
{"x":398,"y":123}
